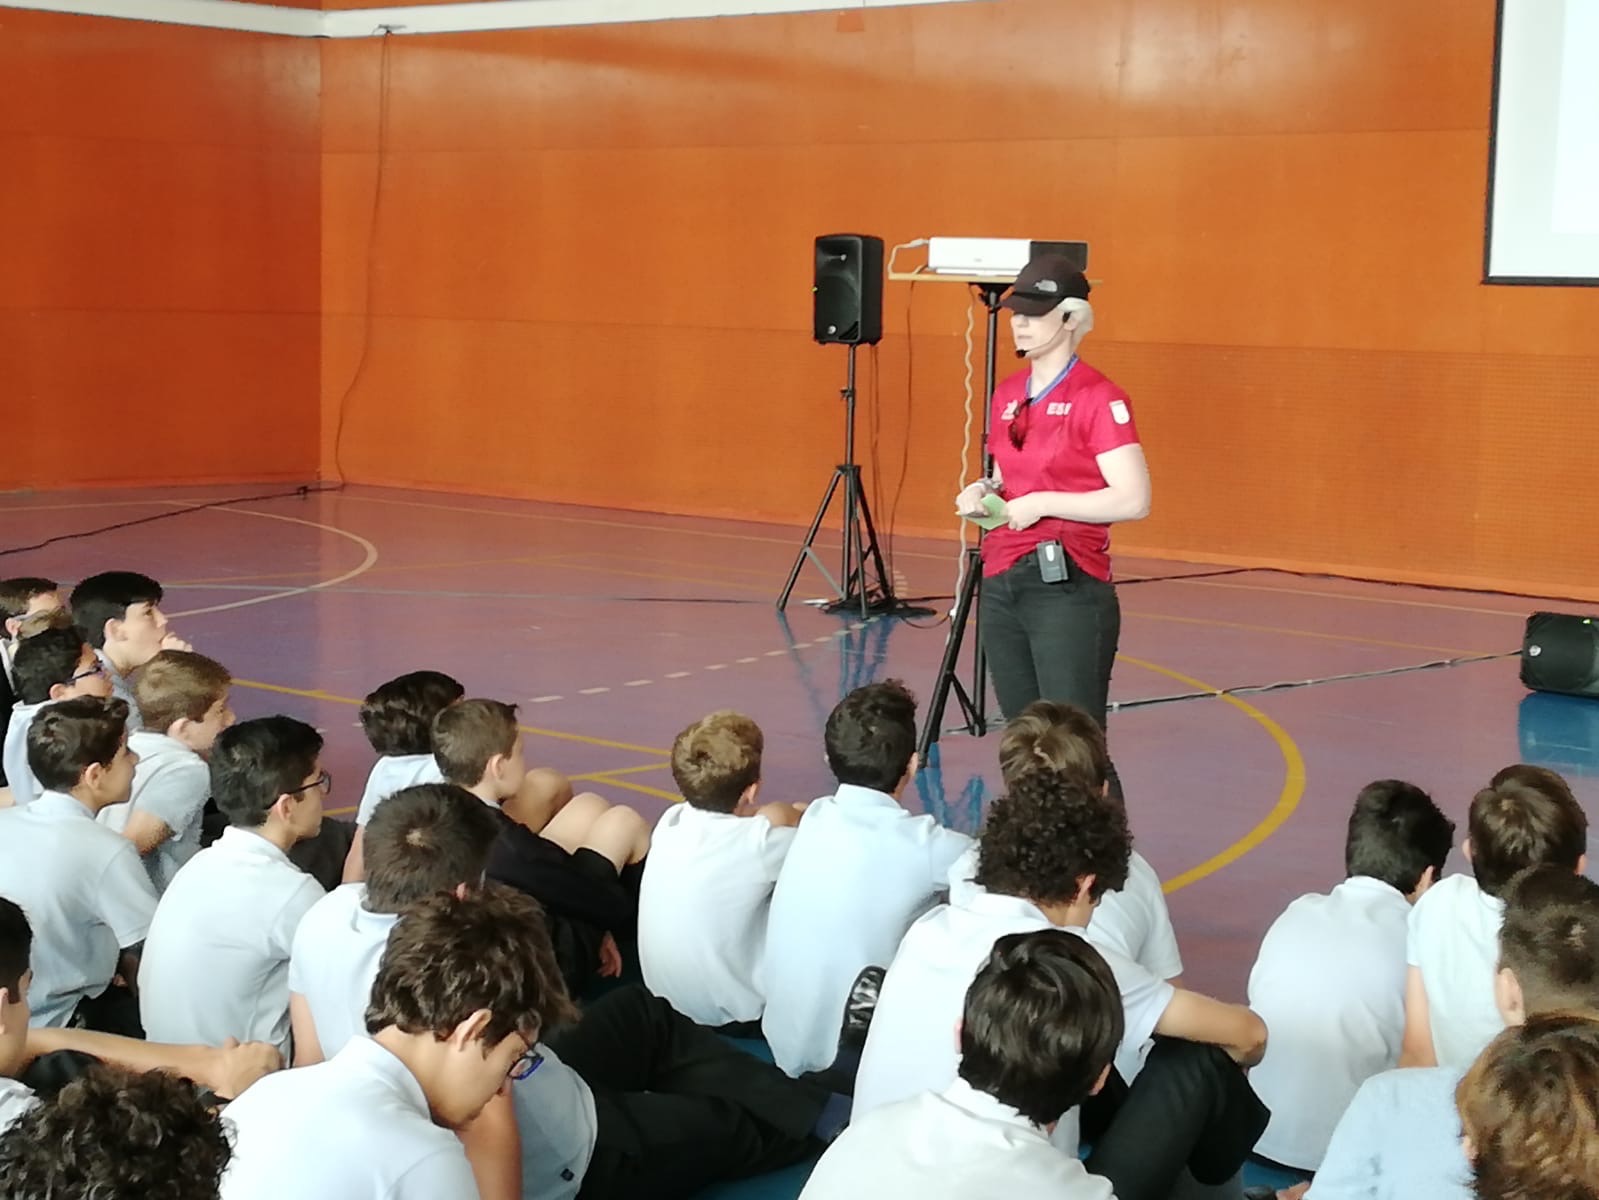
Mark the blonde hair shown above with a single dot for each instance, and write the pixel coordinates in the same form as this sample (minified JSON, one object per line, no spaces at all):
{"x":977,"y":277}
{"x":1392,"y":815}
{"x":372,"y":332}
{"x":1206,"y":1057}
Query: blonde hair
{"x":717,"y":759}
{"x":177,"y":685}
{"x":1048,"y":735}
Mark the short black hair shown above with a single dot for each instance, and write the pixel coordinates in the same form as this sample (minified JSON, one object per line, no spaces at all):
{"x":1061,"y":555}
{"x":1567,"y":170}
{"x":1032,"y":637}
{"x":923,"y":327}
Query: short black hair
{"x":1042,"y":1021}
{"x":68,"y":737}
{"x":48,"y":658}
{"x":112,"y":1134}
{"x":871,"y":735}
{"x":16,"y":594}
{"x":1049,"y":831}
{"x":1525,"y":817}
{"x":424,"y":839}
{"x":16,"y":946}
{"x":255,"y":762}
{"x":1549,"y":939}
{"x":397,"y":716}
{"x":1395,"y":833}
{"x":107,"y":597}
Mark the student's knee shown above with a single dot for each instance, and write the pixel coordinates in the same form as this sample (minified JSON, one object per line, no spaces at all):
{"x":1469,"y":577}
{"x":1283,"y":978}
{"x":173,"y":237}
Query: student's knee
{"x":620,"y":834}
{"x":544,"y":794}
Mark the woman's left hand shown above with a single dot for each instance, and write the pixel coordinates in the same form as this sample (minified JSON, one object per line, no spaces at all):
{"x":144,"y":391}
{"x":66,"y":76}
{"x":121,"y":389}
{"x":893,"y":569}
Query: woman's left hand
{"x":1024,"y":511}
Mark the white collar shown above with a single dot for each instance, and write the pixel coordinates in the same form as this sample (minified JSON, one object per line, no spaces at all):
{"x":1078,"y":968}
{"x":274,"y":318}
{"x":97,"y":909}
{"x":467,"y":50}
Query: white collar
{"x":61,"y":804}
{"x":854,"y":794}
{"x":247,"y":843}
{"x":1369,"y":883}
{"x":985,"y":903}
{"x":367,"y":1057}
{"x":985,"y":1107}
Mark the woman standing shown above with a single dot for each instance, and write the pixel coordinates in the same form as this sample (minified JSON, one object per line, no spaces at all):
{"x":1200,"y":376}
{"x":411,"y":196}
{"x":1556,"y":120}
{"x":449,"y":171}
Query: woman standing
{"x":1068,"y":465}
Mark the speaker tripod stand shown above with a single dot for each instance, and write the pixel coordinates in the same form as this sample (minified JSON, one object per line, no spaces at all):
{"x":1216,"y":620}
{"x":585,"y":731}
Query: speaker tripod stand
{"x":855,"y":587}
{"x":973,"y":701}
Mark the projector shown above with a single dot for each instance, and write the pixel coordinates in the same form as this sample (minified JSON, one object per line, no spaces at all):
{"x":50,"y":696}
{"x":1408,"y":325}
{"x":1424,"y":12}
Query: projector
{"x":1003,"y":257}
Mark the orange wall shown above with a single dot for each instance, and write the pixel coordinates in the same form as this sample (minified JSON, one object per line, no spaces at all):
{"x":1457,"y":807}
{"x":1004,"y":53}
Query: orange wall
{"x":591,"y":278}
{"x":159,"y":193}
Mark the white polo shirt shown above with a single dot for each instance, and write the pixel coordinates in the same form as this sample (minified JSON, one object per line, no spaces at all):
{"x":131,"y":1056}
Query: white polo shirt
{"x":16,"y":1098}
{"x":356,"y":1125}
{"x":86,"y":894}
{"x":334,"y":961}
{"x":24,"y":785}
{"x":955,"y":1144}
{"x":172,"y":784}
{"x":216,"y":963}
{"x":1135,"y":922}
{"x":1453,"y":940}
{"x":911,"y":1044}
{"x":1330,"y":985}
{"x":703,"y":903}
{"x":391,"y":773}
{"x":859,"y":871}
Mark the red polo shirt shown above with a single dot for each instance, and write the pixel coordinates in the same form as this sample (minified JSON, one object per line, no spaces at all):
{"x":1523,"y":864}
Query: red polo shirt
{"x":1082,"y":418}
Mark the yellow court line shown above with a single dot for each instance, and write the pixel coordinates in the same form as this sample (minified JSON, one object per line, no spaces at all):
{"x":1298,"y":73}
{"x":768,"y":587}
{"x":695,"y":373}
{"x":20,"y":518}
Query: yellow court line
{"x":585,"y":739}
{"x":644,"y":788}
{"x":1293,"y":789}
{"x":605,"y":776}
{"x":1309,"y":633}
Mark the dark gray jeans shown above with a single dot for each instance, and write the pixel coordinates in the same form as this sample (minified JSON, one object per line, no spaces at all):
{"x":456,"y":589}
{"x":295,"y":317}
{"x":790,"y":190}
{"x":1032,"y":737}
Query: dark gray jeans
{"x":1050,"y":641}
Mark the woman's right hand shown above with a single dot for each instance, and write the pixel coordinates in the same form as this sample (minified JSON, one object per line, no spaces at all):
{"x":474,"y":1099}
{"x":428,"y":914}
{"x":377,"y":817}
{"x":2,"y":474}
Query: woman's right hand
{"x":970,"y":501}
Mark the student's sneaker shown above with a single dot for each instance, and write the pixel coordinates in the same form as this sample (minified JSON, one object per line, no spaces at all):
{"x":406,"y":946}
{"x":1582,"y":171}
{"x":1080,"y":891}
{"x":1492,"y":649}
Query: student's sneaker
{"x":860,"y":1006}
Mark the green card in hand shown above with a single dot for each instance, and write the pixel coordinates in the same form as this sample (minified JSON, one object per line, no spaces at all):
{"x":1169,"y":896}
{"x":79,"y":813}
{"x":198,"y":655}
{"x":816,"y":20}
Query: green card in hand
{"x":996,"y":513}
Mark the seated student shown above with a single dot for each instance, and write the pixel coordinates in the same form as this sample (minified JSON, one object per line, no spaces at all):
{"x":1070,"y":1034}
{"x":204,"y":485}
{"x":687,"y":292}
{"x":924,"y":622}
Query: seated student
{"x":1330,"y":977}
{"x":1039,"y":1026}
{"x":1400,"y":1138}
{"x":708,"y":881}
{"x":645,"y":1104}
{"x":582,"y":864}
{"x":120,"y":615}
{"x":1527,"y":1112}
{"x":1132,"y":920}
{"x":226,"y":1070}
{"x":83,"y":887}
{"x":51,"y":665}
{"x":861,"y":869}
{"x":21,"y":598}
{"x":397,"y":718}
{"x":1525,"y":817}
{"x":1049,"y":848}
{"x":453,"y":1012}
{"x":216,"y":963}
{"x":183,"y":698}
{"x":116,"y":1135}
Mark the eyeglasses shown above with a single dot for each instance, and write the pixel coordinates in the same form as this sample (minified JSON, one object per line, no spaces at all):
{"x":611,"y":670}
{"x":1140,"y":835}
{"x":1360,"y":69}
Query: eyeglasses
{"x":89,"y":672}
{"x":530,"y":1061}
{"x":323,"y":781}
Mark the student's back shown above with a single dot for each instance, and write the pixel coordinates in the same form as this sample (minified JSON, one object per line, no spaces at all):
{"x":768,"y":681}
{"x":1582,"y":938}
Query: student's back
{"x":860,"y":871}
{"x":1330,"y":977}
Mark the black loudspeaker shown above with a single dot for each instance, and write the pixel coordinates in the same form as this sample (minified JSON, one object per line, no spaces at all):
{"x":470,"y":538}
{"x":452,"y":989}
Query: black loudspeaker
{"x":1560,"y":653}
{"x":848,"y":290}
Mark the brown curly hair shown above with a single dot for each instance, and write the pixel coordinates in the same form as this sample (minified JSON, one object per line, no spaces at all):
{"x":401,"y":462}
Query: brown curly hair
{"x":1528,"y":1106}
{"x":115,"y":1135}
{"x":1047,"y":832}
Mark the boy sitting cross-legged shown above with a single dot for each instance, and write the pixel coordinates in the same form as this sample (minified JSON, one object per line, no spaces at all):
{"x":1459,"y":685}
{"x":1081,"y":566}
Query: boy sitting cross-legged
{"x":708,"y":881}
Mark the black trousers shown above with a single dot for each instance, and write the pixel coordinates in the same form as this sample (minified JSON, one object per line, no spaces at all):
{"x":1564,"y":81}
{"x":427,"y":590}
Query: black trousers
{"x":1190,"y":1107}
{"x":1050,"y":641}
{"x":678,"y":1108}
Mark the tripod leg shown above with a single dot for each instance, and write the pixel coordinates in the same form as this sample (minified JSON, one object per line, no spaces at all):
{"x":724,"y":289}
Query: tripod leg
{"x":810,"y":539}
{"x":885,"y":584}
{"x":948,"y":670}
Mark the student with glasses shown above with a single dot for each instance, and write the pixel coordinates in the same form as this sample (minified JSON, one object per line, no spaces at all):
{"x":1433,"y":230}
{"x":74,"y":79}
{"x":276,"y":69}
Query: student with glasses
{"x":1068,"y":465}
{"x":216,"y":962}
{"x":50,"y":666}
{"x":461,"y":991}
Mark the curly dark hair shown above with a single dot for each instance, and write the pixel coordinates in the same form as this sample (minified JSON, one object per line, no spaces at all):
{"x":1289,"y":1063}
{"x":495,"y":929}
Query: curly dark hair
{"x":397,"y":717}
{"x":115,"y":1135}
{"x":1047,"y":832}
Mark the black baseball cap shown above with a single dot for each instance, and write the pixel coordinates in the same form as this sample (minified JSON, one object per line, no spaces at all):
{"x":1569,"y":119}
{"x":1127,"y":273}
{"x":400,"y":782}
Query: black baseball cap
{"x":1043,"y":284}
